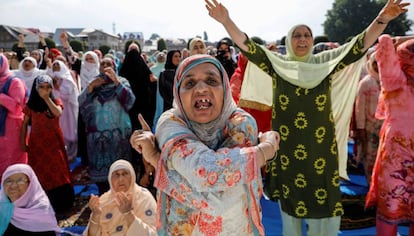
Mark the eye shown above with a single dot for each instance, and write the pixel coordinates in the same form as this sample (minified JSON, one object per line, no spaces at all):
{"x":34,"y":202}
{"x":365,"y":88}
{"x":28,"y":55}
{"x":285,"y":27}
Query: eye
{"x":213,"y":81}
{"x":188,"y":84}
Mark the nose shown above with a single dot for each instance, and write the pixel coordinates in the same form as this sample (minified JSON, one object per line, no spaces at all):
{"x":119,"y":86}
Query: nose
{"x":201,"y":86}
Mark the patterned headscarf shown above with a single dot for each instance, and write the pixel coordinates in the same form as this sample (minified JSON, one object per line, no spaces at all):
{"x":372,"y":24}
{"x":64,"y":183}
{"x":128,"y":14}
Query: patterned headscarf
{"x":32,"y":211}
{"x":405,"y":53}
{"x":36,"y":103}
{"x":209,"y":132}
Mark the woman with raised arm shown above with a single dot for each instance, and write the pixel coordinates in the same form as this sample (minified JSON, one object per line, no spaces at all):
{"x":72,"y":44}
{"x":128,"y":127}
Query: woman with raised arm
{"x":312,"y":104}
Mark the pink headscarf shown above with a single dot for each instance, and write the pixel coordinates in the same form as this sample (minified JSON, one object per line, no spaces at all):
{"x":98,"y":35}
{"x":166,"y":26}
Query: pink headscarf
{"x":405,"y":53}
{"x":32,"y":211}
{"x":4,"y":70}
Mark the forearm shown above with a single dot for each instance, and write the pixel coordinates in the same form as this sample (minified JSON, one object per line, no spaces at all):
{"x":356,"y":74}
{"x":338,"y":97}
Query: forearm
{"x":238,"y":36}
{"x":55,"y":109}
{"x":373,"y":31}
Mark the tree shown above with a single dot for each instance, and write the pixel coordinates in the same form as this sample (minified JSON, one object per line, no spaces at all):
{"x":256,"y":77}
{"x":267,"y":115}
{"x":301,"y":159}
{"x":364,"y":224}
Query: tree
{"x":350,"y":17}
{"x":77,"y":45}
{"x":50,"y":43}
{"x":154,"y":36}
{"x":104,"y":49}
{"x":161,"y":45}
{"x":205,"y":36}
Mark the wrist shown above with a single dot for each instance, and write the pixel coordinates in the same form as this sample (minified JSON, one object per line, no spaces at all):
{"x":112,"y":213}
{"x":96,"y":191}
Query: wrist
{"x":381,"y":20}
{"x":262,"y":152}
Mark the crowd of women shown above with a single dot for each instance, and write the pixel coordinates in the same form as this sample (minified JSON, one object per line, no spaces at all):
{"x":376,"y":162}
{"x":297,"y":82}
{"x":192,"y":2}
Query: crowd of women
{"x":188,"y":144}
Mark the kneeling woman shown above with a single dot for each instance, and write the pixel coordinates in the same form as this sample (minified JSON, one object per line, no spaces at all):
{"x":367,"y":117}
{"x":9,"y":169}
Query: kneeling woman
{"x":126,"y":209}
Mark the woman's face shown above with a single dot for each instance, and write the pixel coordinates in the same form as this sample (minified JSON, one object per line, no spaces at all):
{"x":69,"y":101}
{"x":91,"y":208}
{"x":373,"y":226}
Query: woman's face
{"x":176,"y":59}
{"x":36,"y":55}
{"x":55,"y":67}
{"x":199,"y":48}
{"x":121,"y":180}
{"x":202,"y":93}
{"x":16,"y":185}
{"x":28,"y":65}
{"x":89,"y":58}
{"x":302,"y":41}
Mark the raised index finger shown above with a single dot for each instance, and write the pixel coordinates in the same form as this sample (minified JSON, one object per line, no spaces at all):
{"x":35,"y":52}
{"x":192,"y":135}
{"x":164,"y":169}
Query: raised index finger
{"x":143,"y":123}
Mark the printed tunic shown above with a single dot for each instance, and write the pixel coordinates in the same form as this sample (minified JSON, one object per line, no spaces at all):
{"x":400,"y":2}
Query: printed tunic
{"x":305,"y":176}
{"x":47,"y":154}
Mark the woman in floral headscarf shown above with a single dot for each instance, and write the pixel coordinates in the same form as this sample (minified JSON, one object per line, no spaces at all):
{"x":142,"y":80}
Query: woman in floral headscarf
{"x":24,"y":206}
{"x":392,"y":184}
{"x":208,"y":174}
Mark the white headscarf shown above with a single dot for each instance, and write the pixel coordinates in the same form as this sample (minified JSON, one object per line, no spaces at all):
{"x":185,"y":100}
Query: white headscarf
{"x":28,"y":76}
{"x":88,"y":70}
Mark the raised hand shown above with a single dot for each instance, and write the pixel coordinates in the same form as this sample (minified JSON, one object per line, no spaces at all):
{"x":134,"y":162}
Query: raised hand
{"x":392,"y":10}
{"x":217,"y":11}
{"x":94,"y":205}
{"x":143,"y":141}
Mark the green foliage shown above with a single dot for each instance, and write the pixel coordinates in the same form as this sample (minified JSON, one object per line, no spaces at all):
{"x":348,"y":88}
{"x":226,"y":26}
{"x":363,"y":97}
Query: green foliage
{"x":161,"y":45}
{"x":205,"y":36}
{"x":49,"y":42}
{"x":154,"y":36}
{"x":77,"y":45}
{"x":320,"y":38}
{"x":104,"y":49}
{"x":350,"y":17}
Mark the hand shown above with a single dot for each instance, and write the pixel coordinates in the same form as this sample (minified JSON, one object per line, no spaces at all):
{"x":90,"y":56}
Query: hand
{"x":111,"y":75}
{"x":44,"y":93}
{"x":41,"y":39}
{"x":95,"y":83}
{"x":271,"y":137}
{"x":63,"y":36}
{"x":143,"y":141}
{"x":217,"y":11}
{"x":392,"y":10}
{"x":124,"y":202}
{"x":94,"y":205}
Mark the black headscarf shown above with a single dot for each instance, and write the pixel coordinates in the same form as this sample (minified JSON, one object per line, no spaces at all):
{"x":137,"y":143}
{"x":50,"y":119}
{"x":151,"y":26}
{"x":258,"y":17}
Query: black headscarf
{"x":36,"y":103}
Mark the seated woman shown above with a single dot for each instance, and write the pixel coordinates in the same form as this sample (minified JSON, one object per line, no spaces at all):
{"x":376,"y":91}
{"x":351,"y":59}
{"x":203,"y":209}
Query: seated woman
{"x":126,"y":209}
{"x":24,"y":206}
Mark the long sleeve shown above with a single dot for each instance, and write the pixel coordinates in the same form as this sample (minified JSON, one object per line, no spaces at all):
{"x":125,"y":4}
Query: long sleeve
{"x":15,"y":101}
{"x":200,"y":175}
{"x":390,"y":72}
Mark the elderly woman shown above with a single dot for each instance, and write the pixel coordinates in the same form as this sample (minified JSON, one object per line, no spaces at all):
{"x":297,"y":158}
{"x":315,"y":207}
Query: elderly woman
{"x":24,"y":206}
{"x":312,"y":104}
{"x":126,"y":209}
{"x":104,"y":107}
{"x":208,"y":174}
